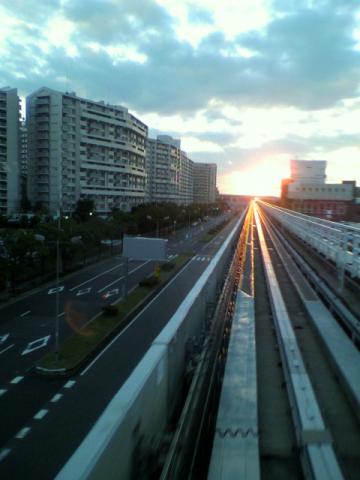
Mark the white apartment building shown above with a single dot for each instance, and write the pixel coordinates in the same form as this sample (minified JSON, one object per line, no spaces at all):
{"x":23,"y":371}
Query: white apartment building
{"x":169,"y":171}
{"x":24,"y":160}
{"x":9,"y":151}
{"x":186,"y":179}
{"x":79,"y":148}
{"x":205,"y":182}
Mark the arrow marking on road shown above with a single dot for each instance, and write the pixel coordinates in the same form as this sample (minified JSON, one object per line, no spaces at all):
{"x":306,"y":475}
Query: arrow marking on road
{"x":56,"y":289}
{"x":84,"y":291}
{"x":36,"y":344}
{"x":110,"y":293}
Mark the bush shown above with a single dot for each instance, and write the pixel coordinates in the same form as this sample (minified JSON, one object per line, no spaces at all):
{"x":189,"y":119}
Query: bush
{"x":167,"y":266}
{"x":110,"y":310}
{"x":149,"y":281}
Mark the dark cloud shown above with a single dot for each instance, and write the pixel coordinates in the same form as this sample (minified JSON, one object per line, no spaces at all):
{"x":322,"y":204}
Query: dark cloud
{"x":304,"y":58}
{"x":111,"y":21}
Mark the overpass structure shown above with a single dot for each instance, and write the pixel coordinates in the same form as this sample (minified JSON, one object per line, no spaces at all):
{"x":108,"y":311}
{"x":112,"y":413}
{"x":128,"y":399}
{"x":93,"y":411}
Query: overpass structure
{"x":250,"y":369}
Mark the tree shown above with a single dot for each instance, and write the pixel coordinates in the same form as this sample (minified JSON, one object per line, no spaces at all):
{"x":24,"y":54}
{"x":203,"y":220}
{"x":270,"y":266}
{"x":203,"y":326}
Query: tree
{"x":84,"y":209}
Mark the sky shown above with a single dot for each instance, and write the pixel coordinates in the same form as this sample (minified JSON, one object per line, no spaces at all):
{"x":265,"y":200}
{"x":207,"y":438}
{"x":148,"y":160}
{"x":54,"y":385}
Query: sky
{"x":247,"y":84}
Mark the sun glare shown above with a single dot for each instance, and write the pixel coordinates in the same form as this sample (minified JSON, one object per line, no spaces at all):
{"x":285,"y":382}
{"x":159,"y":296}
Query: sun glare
{"x":261,"y":179}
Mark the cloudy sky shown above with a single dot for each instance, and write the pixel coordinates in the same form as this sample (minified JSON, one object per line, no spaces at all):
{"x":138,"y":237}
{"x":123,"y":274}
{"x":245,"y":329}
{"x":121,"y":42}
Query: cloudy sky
{"x":247,"y":84}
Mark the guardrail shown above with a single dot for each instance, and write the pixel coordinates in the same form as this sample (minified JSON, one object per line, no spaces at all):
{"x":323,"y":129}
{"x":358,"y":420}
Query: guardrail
{"x":135,"y":420}
{"x":338,"y":242}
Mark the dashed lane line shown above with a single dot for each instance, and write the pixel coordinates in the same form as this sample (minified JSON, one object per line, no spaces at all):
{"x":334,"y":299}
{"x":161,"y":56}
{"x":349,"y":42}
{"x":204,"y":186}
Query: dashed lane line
{"x":22,"y":433}
{"x":2,"y":391}
{"x":182,"y":269}
{"x":56,"y":397}
{"x":16,"y":380}
{"x":94,"y":278}
{"x":69,"y":384}
{"x":4,"y":452}
{"x":25,"y":313}
{"x":41,"y":414}
{"x":7,"y":348}
{"x":122,"y":277}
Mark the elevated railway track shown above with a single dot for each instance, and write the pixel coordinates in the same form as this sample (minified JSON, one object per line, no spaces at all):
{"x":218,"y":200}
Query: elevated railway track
{"x":256,"y":375}
{"x":308,"y":382}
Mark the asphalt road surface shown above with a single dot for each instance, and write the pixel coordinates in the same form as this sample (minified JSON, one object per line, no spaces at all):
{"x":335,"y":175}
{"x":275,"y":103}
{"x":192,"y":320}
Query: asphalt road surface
{"x":44,"y":420}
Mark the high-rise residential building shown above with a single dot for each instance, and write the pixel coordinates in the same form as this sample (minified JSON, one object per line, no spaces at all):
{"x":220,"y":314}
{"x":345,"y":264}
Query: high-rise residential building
{"x":169,"y":171}
{"x":79,"y":148}
{"x":24,"y":159}
{"x":9,"y":151}
{"x":205,"y":182}
{"x":186,"y":179}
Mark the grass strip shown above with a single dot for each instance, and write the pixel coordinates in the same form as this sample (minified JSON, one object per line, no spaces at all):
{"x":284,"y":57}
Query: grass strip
{"x":214,"y":231}
{"x":79,"y":346}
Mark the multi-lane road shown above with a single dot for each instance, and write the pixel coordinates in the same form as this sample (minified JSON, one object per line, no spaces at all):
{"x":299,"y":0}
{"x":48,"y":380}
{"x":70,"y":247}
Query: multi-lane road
{"x":46,"y":419}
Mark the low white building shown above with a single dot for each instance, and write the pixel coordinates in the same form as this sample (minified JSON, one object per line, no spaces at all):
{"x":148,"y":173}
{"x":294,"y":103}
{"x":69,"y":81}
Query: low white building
{"x":9,"y":151}
{"x":326,"y":191}
{"x":79,"y":148}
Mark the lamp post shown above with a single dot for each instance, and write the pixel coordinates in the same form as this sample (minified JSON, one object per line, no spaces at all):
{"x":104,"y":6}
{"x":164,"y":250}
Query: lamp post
{"x":57,"y":299}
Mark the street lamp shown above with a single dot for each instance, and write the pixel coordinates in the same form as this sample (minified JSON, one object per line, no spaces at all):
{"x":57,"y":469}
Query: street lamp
{"x":74,"y":240}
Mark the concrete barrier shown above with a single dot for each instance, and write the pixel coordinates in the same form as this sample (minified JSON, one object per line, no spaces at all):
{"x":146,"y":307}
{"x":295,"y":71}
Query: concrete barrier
{"x":139,"y":412}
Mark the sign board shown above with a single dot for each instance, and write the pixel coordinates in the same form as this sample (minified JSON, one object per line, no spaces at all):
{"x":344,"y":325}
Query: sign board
{"x":143,"y":248}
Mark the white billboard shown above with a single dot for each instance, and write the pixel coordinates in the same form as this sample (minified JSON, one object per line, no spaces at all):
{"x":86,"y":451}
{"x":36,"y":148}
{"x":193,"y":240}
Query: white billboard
{"x":143,"y":248}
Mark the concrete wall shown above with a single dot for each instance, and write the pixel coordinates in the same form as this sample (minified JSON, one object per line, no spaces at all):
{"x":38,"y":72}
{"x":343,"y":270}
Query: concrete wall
{"x":145,"y":402}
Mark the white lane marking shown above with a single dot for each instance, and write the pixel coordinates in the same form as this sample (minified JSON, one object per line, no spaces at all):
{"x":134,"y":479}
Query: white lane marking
{"x":120,"y":278}
{"x":25,"y":313}
{"x":16,"y":380}
{"x":2,"y":391}
{"x":3,"y":338}
{"x":56,"y":397}
{"x":96,"y":276}
{"x":4,"y":452}
{"x":36,"y":344}
{"x":203,"y":259}
{"x":23,"y":432}
{"x":61,"y":314}
{"x":41,"y":414}
{"x":84,"y":291}
{"x":112,"y":283}
{"x":56,"y":289}
{"x":7,"y":348}
{"x":69,"y":384}
{"x":136,"y":317}
{"x":111,"y":293}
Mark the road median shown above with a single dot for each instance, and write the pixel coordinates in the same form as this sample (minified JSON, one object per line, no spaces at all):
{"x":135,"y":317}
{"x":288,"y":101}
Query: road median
{"x":80,"y":348}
